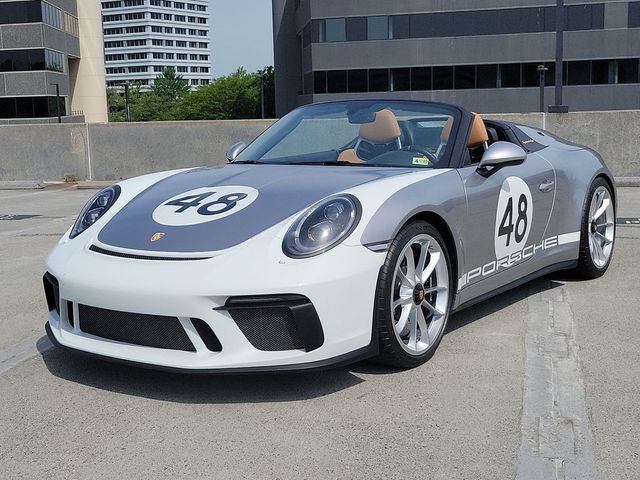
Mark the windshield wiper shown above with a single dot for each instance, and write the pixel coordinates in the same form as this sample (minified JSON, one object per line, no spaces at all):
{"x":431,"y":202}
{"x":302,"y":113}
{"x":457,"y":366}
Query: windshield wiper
{"x":342,"y":163}
{"x":250,"y":162}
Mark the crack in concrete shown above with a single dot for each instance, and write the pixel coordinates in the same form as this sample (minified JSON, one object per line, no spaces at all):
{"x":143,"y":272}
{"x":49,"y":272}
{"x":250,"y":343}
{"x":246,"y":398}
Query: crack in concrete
{"x":556,"y":441}
{"x":16,"y":354}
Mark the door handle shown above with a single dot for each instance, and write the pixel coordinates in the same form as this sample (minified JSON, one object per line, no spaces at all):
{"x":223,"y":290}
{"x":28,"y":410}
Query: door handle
{"x":546,"y":186}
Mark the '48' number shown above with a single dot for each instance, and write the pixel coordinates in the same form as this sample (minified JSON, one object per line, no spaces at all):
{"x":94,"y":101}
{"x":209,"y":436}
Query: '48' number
{"x":507,"y":226}
{"x":216,"y":207}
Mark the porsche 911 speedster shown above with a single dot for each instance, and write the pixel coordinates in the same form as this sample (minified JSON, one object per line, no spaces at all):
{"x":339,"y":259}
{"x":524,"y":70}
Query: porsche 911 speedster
{"x":347,"y":230}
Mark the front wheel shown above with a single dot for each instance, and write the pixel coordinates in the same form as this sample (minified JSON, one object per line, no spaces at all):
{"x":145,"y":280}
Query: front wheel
{"x":413,"y":296}
{"x":598,"y":229}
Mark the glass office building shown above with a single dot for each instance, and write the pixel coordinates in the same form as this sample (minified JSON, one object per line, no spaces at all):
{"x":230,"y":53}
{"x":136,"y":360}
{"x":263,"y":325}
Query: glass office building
{"x":482,"y":54}
{"x":38,"y":47}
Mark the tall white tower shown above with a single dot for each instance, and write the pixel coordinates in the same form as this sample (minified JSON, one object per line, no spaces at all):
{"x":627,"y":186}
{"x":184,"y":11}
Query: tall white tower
{"x":142,"y":38}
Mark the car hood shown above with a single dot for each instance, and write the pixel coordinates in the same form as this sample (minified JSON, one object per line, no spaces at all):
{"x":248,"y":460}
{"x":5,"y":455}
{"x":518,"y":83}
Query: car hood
{"x":282,"y":190}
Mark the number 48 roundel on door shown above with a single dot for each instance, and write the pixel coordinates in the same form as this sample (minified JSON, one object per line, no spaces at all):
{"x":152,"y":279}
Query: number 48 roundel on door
{"x":514,"y":217}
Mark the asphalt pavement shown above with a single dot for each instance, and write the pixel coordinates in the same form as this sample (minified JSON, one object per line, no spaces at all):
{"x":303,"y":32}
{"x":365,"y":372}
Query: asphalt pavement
{"x":544,"y":378}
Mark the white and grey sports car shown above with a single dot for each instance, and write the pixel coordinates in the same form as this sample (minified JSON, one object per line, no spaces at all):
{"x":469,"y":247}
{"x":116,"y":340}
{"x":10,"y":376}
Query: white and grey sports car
{"x":347,"y":230}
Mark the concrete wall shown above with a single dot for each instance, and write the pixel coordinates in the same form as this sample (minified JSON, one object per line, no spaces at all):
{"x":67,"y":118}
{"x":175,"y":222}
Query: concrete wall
{"x":115,"y":151}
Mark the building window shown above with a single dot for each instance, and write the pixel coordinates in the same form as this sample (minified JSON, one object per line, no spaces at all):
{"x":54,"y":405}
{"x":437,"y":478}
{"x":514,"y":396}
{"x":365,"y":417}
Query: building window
{"x":31,"y":107}
{"x":337,"y":81}
{"x":442,"y":78}
{"x":584,"y":17}
{"x":357,"y":81}
{"x":530,"y":75}
{"x":465,"y":77}
{"x":378,"y":28}
{"x":320,"y":82}
{"x":578,"y":73}
{"x":487,"y":76}
{"x":421,"y":78}
{"x":400,"y":79}
{"x":21,"y":12}
{"x":379,"y":80}
{"x":510,"y":75}
{"x":464,"y":23}
{"x":602,"y":72}
{"x":400,"y":26}
{"x":30,"y":60}
{"x":335,"y":30}
{"x":634,"y":14}
{"x":356,"y":29}
{"x":628,"y":71}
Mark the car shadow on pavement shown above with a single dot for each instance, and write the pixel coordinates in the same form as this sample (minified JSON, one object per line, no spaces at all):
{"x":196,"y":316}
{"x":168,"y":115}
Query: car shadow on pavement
{"x":477,"y":312}
{"x":251,"y":388}
{"x":196,"y":389}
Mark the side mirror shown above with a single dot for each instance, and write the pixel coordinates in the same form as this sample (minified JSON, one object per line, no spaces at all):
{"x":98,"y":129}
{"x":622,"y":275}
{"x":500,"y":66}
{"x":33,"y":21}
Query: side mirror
{"x":500,"y":154}
{"x":235,"y":150}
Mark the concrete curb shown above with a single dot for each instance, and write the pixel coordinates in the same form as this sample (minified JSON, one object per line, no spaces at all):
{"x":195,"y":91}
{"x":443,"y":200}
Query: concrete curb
{"x":20,"y":185}
{"x":94,"y":185}
{"x":627,"y":181}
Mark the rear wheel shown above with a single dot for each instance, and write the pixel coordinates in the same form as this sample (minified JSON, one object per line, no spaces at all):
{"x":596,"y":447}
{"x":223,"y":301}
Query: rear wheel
{"x":597,"y":234}
{"x":413,"y":296}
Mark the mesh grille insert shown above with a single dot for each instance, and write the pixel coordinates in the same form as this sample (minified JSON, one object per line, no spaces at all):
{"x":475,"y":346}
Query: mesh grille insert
{"x":269,"y":329}
{"x":135,"y":328}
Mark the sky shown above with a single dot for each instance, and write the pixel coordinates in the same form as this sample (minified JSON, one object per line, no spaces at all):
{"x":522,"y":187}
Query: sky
{"x":242,"y":35}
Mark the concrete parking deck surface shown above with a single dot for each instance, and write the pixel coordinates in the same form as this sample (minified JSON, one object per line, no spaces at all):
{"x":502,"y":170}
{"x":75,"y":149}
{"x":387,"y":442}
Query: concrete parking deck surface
{"x":547,"y":374}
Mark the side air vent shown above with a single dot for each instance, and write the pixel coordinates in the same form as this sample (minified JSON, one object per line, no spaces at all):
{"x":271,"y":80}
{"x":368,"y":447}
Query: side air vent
{"x":277,"y":322}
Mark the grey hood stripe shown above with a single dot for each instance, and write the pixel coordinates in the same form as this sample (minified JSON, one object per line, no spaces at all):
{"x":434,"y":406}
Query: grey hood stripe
{"x":283,"y":191}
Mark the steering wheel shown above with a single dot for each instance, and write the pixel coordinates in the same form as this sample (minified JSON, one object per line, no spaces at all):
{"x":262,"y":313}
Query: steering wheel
{"x":413,"y":148}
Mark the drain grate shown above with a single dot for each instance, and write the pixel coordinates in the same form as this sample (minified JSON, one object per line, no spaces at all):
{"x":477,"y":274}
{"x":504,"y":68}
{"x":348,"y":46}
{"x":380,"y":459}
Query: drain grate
{"x":11,"y":216}
{"x":628,"y":221}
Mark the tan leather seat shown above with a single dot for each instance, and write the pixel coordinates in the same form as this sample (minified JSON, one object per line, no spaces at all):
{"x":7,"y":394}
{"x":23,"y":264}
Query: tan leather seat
{"x":446,"y":130}
{"x":478,"y":135}
{"x":383,"y":129}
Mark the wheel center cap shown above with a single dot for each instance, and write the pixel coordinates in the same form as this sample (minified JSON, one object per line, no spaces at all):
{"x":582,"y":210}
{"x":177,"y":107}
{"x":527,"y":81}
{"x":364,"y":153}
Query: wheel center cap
{"x":418,"y":294}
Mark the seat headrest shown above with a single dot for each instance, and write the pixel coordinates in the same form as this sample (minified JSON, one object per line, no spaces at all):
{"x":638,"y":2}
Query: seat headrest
{"x":446,"y":131}
{"x":478,"y":135}
{"x":383,"y":129}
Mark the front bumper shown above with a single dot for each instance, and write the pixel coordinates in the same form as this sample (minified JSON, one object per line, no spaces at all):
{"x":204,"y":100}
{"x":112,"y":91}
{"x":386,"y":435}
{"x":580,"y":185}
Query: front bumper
{"x":339,"y":284}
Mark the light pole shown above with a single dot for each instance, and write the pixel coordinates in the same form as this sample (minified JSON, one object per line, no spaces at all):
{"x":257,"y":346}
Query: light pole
{"x":58,"y":101}
{"x":559,"y":107}
{"x":262,"y":92}
{"x":542,"y":70}
{"x":127,"y":103}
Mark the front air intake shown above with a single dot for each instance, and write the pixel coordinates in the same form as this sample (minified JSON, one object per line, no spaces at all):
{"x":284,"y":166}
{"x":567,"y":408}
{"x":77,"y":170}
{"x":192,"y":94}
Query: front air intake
{"x":135,"y":328}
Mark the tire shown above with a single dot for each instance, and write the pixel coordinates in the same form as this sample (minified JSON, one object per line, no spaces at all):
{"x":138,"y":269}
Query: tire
{"x":592,"y":265}
{"x":409,"y":347}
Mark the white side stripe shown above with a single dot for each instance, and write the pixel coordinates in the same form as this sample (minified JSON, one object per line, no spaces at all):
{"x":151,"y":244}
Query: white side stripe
{"x":568,"y":238}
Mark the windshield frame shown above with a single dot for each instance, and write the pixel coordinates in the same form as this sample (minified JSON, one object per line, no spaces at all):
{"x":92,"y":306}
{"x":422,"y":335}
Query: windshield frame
{"x":280,"y":129}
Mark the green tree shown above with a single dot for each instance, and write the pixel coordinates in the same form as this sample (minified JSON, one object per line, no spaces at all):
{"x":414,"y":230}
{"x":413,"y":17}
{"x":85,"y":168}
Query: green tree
{"x":235,"y":96}
{"x":116,"y":104}
{"x":268,"y":86}
{"x":170,"y":85}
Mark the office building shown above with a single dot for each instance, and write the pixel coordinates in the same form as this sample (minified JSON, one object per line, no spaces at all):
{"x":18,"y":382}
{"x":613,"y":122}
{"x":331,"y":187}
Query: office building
{"x":43,"y":52}
{"x":142,"y":38}
{"x":482,"y":54}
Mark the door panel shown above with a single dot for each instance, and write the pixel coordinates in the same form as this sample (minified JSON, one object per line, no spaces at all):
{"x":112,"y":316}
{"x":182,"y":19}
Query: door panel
{"x":507,"y":216}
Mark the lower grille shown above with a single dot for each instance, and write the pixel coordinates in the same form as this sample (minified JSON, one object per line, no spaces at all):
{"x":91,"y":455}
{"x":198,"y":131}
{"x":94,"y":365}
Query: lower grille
{"x":135,"y":328}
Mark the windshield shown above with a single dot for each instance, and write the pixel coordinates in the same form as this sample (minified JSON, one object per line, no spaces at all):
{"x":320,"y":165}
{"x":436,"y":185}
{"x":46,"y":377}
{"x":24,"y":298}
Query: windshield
{"x":359,"y":133}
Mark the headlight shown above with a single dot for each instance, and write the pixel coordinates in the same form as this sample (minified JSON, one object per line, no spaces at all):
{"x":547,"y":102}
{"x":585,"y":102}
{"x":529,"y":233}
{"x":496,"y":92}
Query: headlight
{"x":322,"y":226}
{"x":94,"y":209}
